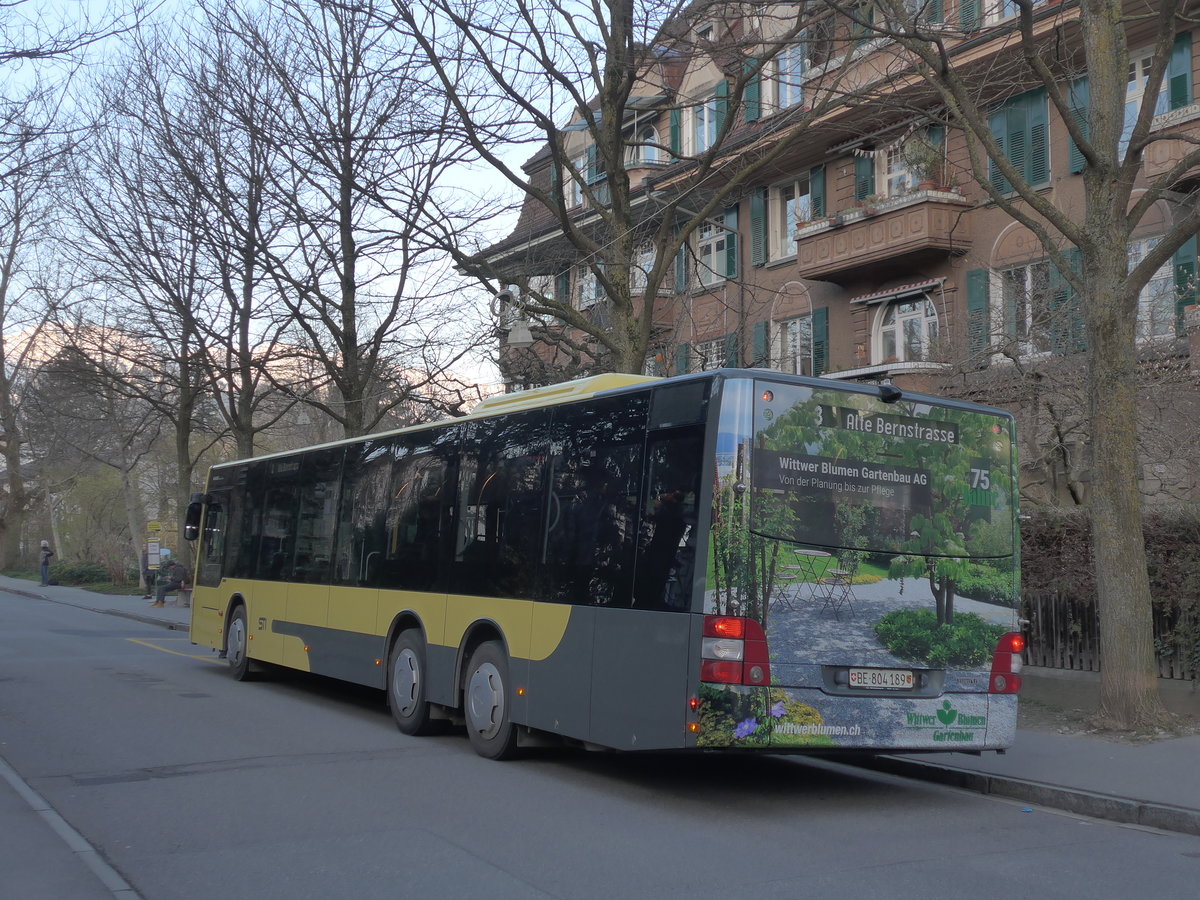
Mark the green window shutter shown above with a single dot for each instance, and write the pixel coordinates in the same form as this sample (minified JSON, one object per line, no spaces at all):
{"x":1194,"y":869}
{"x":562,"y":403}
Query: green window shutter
{"x":1078,"y":100}
{"x":722,"y":105}
{"x":1184,"y":263}
{"x":731,"y":350}
{"x":752,"y":93}
{"x":1038,"y":166}
{"x":816,"y":187}
{"x":762,"y":354}
{"x":681,"y":359}
{"x":998,"y":125}
{"x":758,"y":227}
{"x":562,"y":287}
{"x":864,"y":177}
{"x":934,"y":12}
{"x":1021,"y":129}
{"x":820,"y":340}
{"x":675,"y":129}
{"x":1179,"y":72}
{"x":681,"y":273}
{"x":1066,"y":314}
{"x":977,"y":317}
{"x":590,"y":173}
{"x":968,"y":14}
{"x":731,"y":243}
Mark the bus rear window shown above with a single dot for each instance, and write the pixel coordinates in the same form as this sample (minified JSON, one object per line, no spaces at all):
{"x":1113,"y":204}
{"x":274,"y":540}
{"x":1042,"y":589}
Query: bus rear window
{"x":842,"y":469}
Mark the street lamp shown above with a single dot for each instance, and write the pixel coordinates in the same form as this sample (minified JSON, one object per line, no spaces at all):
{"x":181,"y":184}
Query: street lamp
{"x":506,"y":304}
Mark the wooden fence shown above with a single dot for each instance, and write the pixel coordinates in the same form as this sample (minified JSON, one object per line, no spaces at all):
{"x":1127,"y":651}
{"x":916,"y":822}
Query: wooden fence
{"x":1064,"y":633}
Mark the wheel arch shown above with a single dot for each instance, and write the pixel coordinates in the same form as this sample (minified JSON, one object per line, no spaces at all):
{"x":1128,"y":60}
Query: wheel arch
{"x":235,"y":600}
{"x":405,"y":620}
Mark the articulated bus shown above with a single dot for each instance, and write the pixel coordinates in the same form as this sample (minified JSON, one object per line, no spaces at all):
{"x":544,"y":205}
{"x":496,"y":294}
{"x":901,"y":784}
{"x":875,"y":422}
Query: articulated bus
{"x":738,"y":559}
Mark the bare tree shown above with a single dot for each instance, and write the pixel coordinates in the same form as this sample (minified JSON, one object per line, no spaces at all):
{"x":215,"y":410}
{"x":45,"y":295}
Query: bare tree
{"x":205,"y":98}
{"x":574,"y":82}
{"x":363,"y":150}
{"x":28,"y":297}
{"x":1053,"y":49}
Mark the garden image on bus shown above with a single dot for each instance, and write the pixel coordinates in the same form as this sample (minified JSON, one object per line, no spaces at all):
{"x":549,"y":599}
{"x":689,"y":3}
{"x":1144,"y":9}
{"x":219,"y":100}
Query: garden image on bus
{"x":737,"y":559}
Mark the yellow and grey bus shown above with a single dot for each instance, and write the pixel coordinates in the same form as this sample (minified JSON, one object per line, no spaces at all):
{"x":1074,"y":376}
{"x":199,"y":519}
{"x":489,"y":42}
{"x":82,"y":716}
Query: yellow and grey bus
{"x":732,"y":559}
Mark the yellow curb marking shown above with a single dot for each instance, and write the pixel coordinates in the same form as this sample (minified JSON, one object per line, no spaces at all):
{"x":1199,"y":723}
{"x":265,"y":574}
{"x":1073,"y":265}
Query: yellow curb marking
{"x":153,"y":646}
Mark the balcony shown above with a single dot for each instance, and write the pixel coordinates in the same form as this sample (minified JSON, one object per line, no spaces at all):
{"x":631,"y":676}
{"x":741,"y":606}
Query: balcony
{"x":921,"y":224}
{"x":1162,"y":155}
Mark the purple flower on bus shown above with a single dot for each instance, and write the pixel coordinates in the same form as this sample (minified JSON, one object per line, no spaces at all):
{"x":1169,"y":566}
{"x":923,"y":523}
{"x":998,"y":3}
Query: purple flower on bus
{"x":745,"y":728}
{"x":777,"y":709}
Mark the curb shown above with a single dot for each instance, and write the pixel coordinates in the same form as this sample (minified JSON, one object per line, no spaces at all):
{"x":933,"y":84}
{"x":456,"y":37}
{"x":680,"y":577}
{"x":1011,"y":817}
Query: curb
{"x":137,"y":617}
{"x":1087,"y":803}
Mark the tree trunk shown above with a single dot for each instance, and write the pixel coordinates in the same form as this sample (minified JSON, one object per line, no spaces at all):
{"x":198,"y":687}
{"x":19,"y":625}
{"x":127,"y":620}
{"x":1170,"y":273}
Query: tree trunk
{"x":1128,"y":678}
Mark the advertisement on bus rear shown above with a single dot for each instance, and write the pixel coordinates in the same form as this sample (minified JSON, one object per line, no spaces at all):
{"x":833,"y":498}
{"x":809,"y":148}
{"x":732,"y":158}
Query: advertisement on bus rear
{"x":874,"y":543}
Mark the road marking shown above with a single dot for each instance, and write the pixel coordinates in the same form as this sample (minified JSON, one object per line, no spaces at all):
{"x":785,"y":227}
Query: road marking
{"x":83,"y":850}
{"x":154,"y":646}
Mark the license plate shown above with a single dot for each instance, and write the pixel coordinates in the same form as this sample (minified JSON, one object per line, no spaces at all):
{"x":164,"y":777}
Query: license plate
{"x":883,"y":679}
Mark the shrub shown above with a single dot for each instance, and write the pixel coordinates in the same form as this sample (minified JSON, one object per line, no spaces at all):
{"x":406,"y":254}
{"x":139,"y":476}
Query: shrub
{"x":79,"y":573}
{"x":914,"y":634}
{"x":985,"y":584}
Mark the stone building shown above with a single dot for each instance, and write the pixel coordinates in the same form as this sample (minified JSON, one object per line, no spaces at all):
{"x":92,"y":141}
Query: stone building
{"x":867,"y":249}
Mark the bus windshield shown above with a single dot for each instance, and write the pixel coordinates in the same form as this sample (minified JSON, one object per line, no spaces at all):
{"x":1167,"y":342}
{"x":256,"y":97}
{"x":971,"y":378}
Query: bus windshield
{"x":839,"y":469}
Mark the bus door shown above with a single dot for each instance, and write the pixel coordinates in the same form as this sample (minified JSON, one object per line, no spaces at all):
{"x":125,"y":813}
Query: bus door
{"x":311,"y":561}
{"x":641,"y":653}
{"x":352,"y":642}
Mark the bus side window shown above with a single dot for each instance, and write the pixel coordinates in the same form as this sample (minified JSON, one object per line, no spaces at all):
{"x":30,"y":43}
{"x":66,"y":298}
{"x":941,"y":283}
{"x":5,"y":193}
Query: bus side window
{"x":501,"y":500}
{"x":596,"y":466}
{"x":667,"y":540}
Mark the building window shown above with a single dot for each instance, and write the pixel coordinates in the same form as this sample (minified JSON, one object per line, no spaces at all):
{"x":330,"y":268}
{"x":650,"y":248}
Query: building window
{"x":710,"y":252}
{"x":1156,"y":302}
{"x":1135,"y":91}
{"x":587,"y":289}
{"x":705,"y":355}
{"x":1025,"y":306}
{"x":896,"y":174}
{"x":789,"y":76}
{"x":575,"y":188}
{"x":705,"y":123}
{"x":639,"y":277}
{"x":794,"y":350}
{"x":906,"y":330}
{"x":645,"y":150}
{"x":791,"y":207}
{"x":999,"y":10}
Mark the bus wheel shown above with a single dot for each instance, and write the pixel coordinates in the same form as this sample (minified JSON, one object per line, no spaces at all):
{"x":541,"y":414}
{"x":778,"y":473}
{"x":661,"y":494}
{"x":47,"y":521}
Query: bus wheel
{"x":406,"y":685}
{"x":486,"y":703}
{"x":236,"y":645}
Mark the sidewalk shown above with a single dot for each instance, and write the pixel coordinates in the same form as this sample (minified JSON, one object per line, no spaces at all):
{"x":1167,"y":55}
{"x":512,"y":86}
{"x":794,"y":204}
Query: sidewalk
{"x":134,"y":607}
{"x":1152,"y":783}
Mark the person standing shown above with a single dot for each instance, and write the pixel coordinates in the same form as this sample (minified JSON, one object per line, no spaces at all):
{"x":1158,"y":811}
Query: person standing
{"x":44,"y":562}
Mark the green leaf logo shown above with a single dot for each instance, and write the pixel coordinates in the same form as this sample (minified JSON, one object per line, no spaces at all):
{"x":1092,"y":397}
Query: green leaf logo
{"x":947,"y":715}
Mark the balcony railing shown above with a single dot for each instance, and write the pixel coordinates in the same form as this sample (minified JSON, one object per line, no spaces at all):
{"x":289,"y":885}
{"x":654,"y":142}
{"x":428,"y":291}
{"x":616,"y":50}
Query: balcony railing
{"x":898,"y":227}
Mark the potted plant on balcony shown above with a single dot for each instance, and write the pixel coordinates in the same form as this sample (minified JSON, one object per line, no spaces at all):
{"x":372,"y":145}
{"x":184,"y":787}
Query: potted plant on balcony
{"x":925,"y":160}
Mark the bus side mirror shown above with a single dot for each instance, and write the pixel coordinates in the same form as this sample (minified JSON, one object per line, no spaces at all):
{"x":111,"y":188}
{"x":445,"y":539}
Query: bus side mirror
{"x":191,"y":521}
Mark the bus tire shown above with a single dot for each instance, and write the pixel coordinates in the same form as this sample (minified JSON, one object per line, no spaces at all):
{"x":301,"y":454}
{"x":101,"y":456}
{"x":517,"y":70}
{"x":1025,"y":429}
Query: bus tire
{"x":237,"y":645}
{"x":487,"y":703}
{"x":407,"y":692}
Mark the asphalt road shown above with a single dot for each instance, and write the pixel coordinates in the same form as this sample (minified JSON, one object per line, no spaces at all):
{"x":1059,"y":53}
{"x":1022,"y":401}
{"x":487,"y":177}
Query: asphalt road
{"x":192,"y":785}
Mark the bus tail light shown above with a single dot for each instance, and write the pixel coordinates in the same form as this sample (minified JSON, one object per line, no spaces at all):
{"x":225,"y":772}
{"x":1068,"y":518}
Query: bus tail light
{"x":1006,"y":664}
{"x":734,"y":652}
